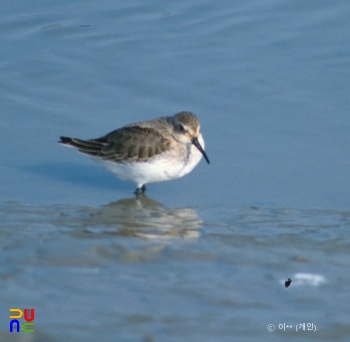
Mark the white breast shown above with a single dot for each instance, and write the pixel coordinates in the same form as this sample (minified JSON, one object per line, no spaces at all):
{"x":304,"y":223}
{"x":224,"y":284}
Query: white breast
{"x":171,"y":164}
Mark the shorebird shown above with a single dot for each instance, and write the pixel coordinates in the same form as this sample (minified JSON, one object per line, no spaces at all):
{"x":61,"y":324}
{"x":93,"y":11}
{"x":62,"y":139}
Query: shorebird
{"x":148,"y":151}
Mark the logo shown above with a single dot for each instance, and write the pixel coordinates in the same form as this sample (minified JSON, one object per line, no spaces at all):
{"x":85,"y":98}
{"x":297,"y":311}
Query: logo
{"x":27,"y":326}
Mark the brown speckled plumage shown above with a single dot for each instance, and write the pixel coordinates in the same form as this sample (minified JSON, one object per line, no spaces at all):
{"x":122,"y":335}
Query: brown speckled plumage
{"x":127,"y":144}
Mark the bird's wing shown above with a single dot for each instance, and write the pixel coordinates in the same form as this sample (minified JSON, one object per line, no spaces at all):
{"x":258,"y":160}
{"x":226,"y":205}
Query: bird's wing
{"x":126,"y":144}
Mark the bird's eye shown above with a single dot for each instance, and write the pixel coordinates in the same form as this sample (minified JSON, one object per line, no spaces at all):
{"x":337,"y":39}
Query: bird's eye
{"x":181,"y":128}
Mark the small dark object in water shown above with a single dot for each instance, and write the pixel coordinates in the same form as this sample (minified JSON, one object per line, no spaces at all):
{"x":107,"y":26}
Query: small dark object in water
{"x":287,"y":282}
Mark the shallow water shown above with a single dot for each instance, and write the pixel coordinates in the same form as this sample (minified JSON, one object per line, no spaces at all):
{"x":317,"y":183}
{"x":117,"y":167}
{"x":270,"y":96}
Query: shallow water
{"x":136,"y":270}
{"x":205,"y":257}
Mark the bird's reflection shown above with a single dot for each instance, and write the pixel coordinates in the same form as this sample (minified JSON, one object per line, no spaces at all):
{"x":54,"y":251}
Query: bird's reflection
{"x":142,"y":217}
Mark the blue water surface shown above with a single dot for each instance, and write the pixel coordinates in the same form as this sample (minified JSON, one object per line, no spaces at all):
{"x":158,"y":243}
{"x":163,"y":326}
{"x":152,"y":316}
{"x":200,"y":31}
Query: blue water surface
{"x":203,"y":257}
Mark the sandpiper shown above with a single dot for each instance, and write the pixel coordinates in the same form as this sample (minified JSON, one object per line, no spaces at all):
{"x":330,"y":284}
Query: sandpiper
{"x":148,"y":151}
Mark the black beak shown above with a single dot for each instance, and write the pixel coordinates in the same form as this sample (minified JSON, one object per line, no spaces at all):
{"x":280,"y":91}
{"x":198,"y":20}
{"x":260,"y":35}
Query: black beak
{"x":196,"y":143}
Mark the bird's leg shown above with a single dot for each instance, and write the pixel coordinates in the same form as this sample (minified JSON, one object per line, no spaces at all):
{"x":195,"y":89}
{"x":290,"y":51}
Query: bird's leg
{"x":140,"y":189}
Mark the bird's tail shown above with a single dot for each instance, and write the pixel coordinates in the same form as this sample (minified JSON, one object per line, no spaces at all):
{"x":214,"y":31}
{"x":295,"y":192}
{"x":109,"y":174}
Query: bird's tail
{"x":90,"y":147}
